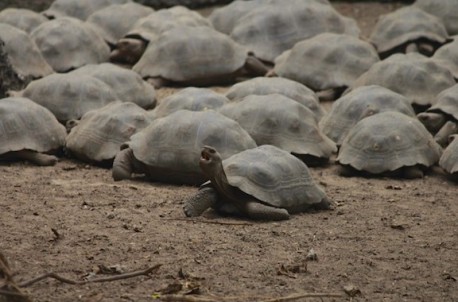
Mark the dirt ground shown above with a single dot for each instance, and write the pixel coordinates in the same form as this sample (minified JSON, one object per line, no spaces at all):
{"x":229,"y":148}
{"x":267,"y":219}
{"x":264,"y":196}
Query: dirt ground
{"x":387,"y":239}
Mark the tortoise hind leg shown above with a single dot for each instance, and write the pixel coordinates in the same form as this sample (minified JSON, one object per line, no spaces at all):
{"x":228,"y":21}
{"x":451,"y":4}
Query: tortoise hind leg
{"x":38,"y":159}
{"x":258,"y":211}
{"x":412,"y":172}
{"x":123,"y":164}
{"x":255,"y":67}
{"x":201,"y":201}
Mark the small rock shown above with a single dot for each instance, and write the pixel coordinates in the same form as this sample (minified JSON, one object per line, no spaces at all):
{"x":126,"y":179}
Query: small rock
{"x":351,"y":290}
{"x":311,"y":255}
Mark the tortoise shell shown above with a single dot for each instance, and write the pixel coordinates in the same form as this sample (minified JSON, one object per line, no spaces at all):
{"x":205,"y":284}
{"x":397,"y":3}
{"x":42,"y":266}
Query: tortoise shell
{"x":413,"y":75}
{"x":21,"y":18}
{"x":125,"y":83}
{"x":101,"y":132}
{"x":449,"y":159}
{"x":273,"y":176}
{"x":170,"y":146}
{"x":68,"y":43}
{"x":225,"y":18}
{"x":27,"y":125}
{"x":445,"y":10}
{"x":332,"y":60}
{"x":386,"y":142}
{"x":25,"y":57}
{"x":446,"y":102}
{"x":358,"y":104}
{"x":277,"y":120}
{"x":289,"y":88}
{"x":273,"y":28}
{"x":80,"y":9}
{"x":447,"y":55}
{"x":69,"y":96}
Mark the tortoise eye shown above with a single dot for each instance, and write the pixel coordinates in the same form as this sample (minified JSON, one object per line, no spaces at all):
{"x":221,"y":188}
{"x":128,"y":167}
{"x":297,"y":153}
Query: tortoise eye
{"x":212,"y":151}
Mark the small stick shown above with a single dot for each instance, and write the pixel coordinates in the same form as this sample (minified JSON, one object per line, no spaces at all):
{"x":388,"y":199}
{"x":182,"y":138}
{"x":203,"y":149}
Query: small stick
{"x":303,"y":295}
{"x":187,"y":298}
{"x":145,"y":272}
{"x":210,"y":221}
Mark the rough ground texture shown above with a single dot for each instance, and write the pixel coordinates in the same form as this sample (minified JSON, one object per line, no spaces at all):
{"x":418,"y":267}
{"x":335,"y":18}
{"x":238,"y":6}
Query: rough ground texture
{"x":389,"y":239}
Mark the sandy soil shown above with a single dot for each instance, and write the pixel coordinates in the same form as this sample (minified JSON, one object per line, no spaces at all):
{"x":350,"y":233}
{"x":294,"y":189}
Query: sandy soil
{"x":387,"y":239}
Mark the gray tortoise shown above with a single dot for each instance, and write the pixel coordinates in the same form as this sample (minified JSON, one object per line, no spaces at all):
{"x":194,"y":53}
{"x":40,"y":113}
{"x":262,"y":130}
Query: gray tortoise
{"x":388,"y":143}
{"x":449,"y":159}
{"x":289,"y":88}
{"x":197,"y":56}
{"x":447,"y":55}
{"x":29,"y":131}
{"x":360,"y":103}
{"x":264,"y":183}
{"x":98,"y":136}
{"x":442,"y":117}
{"x":21,"y":18}
{"x":274,"y":119}
{"x":168,"y":149}
{"x":408,"y":29}
{"x":444,"y":10}
{"x":80,"y":9}
{"x":333,"y":62}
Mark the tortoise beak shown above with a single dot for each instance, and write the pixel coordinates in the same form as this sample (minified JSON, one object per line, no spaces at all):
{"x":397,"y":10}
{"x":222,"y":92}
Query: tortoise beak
{"x":204,"y":155}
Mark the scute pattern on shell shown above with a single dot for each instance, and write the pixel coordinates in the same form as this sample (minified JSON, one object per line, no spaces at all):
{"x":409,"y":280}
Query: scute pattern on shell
{"x":190,"y":53}
{"x":280,"y":121}
{"x":360,"y":103}
{"x":447,"y":102}
{"x":404,"y":25}
{"x":415,"y":76}
{"x":101,"y":132}
{"x":388,"y":141}
{"x":21,"y":18}
{"x":273,"y":176}
{"x":27,"y":125}
{"x":25,"y":57}
{"x":67,"y":43}
{"x":170,"y":146}
{"x":274,"y":28}
{"x":289,"y":88}
{"x":444,"y":10}
{"x":331,"y":60}
{"x":68,"y":96}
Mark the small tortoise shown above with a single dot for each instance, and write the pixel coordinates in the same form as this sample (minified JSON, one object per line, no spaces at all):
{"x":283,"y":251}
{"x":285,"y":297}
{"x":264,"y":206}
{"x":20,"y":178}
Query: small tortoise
{"x":444,"y":10}
{"x":442,"y":117}
{"x":21,"y":18}
{"x":80,"y":9}
{"x":168,"y":149}
{"x":263,"y":183}
{"x":388,"y":143}
{"x":191,"y":98}
{"x":360,"y":103}
{"x":408,"y":29}
{"x":131,"y":47}
{"x":24,"y":55}
{"x":334,"y":62}
{"x":197,"y":56}
{"x":289,"y":88}
{"x":68,"y":43}
{"x":28,"y":131}
{"x":98,"y":136}
{"x":274,"y":119}
{"x":69,"y":96}
{"x":413,"y":75}
{"x":449,"y":159}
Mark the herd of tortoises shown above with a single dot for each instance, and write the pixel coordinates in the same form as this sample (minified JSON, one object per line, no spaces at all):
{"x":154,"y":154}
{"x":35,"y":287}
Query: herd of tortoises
{"x":92,"y":69}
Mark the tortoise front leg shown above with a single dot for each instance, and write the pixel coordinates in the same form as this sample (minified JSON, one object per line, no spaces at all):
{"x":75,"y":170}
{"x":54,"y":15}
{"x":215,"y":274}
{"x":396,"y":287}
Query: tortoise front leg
{"x":123,"y":164}
{"x":38,"y":159}
{"x":205,"y":198}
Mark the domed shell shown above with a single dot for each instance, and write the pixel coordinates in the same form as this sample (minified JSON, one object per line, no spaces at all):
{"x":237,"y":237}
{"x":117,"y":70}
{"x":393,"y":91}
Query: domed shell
{"x":68,"y":43}
{"x":405,"y":25}
{"x":360,"y":103}
{"x":449,"y":159}
{"x":101,"y":132}
{"x":272,"y":29}
{"x":125,"y":83}
{"x":170,"y":146}
{"x":447,"y":102}
{"x":386,"y":142}
{"x":25,"y":57}
{"x":331,"y":60}
{"x":68,"y":96}
{"x":445,"y":10}
{"x":114,"y":21}
{"x":186,"y":54}
{"x":80,"y":9}
{"x":191,"y":98}
{"x":447,"y":55}
{"x":21,"y":18}
{"x":280,"y":121}
{"x":27,"y":125}
{"x":289,"y":88}
{"x":273,"y":176}
{"x":225,"y":18}
{"x":414,"y":76}
{"x":150,"y":27}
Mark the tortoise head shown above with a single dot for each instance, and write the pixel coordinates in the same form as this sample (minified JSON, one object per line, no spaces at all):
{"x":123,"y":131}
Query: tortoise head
{"x":210,"y":161}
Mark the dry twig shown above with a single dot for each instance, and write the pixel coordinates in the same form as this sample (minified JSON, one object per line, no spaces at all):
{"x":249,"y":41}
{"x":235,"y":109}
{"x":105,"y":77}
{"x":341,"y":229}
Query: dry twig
{"x":209,"y":221}
{"x":293,"y":297}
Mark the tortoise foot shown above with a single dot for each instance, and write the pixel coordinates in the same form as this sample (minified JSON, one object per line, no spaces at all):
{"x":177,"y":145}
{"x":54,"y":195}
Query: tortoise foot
{"x":123,"y":165}
{"x":259,"y":211}
{"x":38,"y":159}
{"x":201,"y":201}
